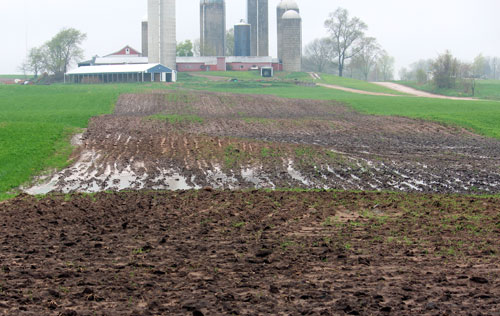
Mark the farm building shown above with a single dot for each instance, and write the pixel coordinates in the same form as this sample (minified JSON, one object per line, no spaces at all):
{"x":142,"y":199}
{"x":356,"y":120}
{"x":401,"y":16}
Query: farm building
{"x":126,"y":55}
{"x":130,"y":56}
{"x":121,"y":73}
{"x":235,"y":63}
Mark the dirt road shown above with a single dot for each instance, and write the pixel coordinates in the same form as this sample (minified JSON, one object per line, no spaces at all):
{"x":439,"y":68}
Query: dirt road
{"x":331,"y":86}
{"x":418,"y":93}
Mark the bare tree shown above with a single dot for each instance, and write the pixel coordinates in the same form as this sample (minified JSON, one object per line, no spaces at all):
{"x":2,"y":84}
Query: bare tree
{"x":466,"y":75}
{"x":346,"y":35}
{"x":386,"y":65}
{"x":366,"y":59}
{"x":319,"y":54}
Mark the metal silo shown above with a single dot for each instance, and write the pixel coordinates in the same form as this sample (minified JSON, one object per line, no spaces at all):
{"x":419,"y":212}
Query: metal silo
{"x":162,"y":32}
{"x":242,"y":39}
{"x":258,"y":18}
{"x":291,"y":41}
{"x":283,"y":6}
{"x":212,"y":27}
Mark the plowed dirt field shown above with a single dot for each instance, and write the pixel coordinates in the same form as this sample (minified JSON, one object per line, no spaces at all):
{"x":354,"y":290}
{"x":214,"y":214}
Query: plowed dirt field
{"x":213,"y":251}
{"x":250,"y":253}
{"x":183,"y":140}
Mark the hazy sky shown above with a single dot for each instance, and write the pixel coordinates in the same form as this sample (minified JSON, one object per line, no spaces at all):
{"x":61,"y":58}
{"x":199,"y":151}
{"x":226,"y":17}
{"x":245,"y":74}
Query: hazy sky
{"x":408,"y":30}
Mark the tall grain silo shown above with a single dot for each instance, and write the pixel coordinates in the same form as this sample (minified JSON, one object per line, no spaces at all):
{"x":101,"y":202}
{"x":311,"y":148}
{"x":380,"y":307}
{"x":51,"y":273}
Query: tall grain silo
{"x":212,"y":27}
{"x":242,"y":35}
{"x":161,"y":32}
{"x":291,"y":41}
{"x":145,"y":39}
{"x":258,"y":18}
{"x":283,"y":6}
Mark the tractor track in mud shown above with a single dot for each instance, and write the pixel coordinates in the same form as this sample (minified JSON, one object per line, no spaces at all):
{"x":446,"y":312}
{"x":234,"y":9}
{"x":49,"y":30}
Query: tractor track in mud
{"x":244,"y":141}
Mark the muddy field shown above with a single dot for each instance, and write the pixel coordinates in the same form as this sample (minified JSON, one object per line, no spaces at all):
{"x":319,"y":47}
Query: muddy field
{"x":250,"y":253}
{"x":257,"y":252}
{"x":183,"y":140}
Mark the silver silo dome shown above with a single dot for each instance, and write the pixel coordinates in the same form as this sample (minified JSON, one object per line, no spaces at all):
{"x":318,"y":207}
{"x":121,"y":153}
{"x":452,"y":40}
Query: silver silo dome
{"x":282,"y":7}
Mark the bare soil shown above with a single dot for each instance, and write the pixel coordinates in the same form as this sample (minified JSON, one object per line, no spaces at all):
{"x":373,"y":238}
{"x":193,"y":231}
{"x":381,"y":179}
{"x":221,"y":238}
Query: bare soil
{"x":244,"y":141}
{"x":250,"y":253}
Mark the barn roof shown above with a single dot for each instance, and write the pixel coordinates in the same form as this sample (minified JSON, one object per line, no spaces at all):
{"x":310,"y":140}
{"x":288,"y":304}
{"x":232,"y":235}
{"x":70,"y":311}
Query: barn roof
{"x":109,"y":69}
{"x":123,"y":52}
{"x":124,"y":59}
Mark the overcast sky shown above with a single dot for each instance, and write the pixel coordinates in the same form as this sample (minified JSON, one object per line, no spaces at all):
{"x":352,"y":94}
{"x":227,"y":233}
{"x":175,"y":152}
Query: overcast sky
{"x":408,"y":30}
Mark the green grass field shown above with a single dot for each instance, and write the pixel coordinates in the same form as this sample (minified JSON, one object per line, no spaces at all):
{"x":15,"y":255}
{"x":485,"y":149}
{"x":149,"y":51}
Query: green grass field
{"x":36,"y":123}
{"x":301,"y":76}
{"x":485,"y":89}
{"x":13,"y":76}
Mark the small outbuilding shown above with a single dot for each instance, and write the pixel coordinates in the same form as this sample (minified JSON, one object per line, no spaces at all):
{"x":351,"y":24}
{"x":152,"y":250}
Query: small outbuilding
{"x":267,"y":72}
{"x":121,"y":73}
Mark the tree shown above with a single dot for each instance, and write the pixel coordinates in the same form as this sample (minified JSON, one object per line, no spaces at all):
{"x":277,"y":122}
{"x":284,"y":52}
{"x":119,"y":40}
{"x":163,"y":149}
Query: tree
{"x":346,"y":35}
{"x":495,"y":67}
{"x":445,"y":70}
{"x":479,"y":66}
{"x":367,"y":56}
{"x":404,"y":74}
{"x":319,"y":54}
{"x":62,"y":50}
{"x":185,"y":48}
{"x":230,"y":42}
{"x":421,"y":76}
{"x":36,"y":60}
{"x":197,"y":47}
{"x":385,"y":63}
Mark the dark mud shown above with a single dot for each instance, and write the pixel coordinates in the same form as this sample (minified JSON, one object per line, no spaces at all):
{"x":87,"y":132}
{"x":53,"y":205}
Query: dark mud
{"x":250,"y":253}
{"x":243,"y":141}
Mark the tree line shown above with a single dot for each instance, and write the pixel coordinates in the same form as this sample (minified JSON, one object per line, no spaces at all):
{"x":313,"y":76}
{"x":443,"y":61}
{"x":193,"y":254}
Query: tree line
{"x":347,"y":50}
{"x":193,"y":48}
{"x":448,"y":72}
{"x":56,"y":55}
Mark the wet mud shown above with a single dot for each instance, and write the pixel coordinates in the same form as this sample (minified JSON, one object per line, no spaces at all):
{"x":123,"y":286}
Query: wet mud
{"x":183,"y":140}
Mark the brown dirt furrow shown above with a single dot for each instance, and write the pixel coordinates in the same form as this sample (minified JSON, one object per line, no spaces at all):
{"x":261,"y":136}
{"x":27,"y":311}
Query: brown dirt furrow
{"x":246,"y":253}
{"x":265,"y":141}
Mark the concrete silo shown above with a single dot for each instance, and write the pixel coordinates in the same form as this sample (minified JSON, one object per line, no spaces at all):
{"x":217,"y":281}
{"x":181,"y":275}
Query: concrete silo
{"x":242,"y":35}
{"x":291,"y":41}
{"x":258,"y":18}
{"x":212,"y":27}
{"x":283,"y":6}
{"x":162,"y":32}
{"x":145,"y":39}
